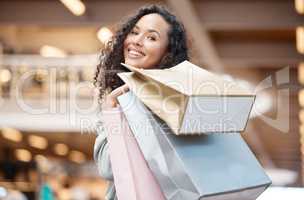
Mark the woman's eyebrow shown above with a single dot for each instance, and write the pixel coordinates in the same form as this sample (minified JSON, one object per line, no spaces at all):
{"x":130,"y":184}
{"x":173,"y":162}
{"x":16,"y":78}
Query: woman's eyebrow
{"x":154,"y":31}
{"x":149,"y":30}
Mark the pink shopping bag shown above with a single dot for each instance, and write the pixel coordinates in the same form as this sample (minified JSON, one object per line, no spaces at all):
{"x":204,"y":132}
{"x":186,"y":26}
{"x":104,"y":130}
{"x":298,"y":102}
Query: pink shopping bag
{"x":132,"y":176}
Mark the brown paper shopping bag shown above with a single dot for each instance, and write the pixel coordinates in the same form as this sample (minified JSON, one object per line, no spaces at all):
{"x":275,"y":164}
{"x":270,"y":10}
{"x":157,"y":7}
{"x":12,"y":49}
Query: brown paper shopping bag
{"x":132,"y":176}
{"x":191,"y":100}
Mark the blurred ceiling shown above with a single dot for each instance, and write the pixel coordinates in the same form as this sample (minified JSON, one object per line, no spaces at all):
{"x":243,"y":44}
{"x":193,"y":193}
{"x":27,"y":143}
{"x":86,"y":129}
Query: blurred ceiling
{"x":245,"y":33}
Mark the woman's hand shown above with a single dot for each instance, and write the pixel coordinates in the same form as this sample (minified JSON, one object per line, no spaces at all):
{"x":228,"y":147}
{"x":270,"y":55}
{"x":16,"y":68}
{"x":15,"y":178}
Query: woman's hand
{"x":111,"y":99}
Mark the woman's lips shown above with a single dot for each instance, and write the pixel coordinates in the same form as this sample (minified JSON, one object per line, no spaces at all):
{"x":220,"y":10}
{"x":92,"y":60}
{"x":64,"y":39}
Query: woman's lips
{"x":134,"y":53}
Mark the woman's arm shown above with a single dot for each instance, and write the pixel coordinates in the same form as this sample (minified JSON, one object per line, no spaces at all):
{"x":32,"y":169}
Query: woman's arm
{"x":101,"y":153}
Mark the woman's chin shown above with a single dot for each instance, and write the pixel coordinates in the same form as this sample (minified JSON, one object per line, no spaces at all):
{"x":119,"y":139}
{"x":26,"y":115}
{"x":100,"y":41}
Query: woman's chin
{"x":134,"y":63}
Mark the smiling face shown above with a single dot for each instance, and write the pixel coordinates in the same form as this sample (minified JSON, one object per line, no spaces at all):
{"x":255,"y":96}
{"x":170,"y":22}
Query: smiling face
{"x":147,"y":43}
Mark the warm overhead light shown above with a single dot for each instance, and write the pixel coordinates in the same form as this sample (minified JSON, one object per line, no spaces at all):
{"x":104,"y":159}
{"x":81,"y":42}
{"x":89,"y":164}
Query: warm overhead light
{"x":299,"y":6}
{"x":301,"y":97}
{"x":75,"y":6}
{"x":61,"y":149}
{"x":11,"y":134}
{"x":50,"y":51}
{"x":37,"y":142}
{"x":23,"y":155}
{"x":77,"y":156}
{"x":302,"y":140}
{"x":302,"y":135}
{"x":300,"y":39}
{"x":301,"y":116}
{"x":104,"y":34}
{"x":5,"y":75}
{"x":302,"y":129}
{"x":301,"y":73}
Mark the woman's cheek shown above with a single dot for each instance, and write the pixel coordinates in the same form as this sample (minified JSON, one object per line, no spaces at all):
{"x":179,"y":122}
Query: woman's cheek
{"x":154,"y":48}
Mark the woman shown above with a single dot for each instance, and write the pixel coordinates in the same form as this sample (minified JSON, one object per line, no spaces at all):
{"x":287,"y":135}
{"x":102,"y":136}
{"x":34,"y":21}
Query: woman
{"x":152,"y":38}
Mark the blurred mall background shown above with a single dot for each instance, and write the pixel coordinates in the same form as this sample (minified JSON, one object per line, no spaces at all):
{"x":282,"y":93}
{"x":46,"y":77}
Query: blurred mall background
{"x":48,"y":108}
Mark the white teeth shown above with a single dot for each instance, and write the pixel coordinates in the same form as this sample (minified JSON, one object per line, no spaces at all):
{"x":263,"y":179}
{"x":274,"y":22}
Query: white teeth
{"x":135,"y":53}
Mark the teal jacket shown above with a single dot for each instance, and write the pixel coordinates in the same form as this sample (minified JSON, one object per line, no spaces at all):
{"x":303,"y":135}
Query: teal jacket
{"x":102,"y":158}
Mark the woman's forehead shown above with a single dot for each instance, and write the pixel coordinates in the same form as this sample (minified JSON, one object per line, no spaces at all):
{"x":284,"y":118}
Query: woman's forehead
{"x":153,"y":21}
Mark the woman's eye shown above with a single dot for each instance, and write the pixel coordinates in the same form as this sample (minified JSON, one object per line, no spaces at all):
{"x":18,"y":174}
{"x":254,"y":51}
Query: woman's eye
{"x":134,"y":32}
{"x":152,"y":38}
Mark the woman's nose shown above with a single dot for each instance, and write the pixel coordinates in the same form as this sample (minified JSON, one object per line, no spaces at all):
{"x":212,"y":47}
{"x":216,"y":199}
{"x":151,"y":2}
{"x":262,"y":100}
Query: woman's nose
{"x":138,"y":40}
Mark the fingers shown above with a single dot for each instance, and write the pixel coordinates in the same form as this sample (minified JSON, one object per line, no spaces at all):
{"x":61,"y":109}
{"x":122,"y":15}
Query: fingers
{"x":119,"y":91}
{"x":111,"y":99}
{"x":125,"y":88}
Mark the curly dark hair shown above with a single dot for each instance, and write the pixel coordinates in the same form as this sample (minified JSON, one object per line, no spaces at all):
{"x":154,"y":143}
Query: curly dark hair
{"x":112,"y":55}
